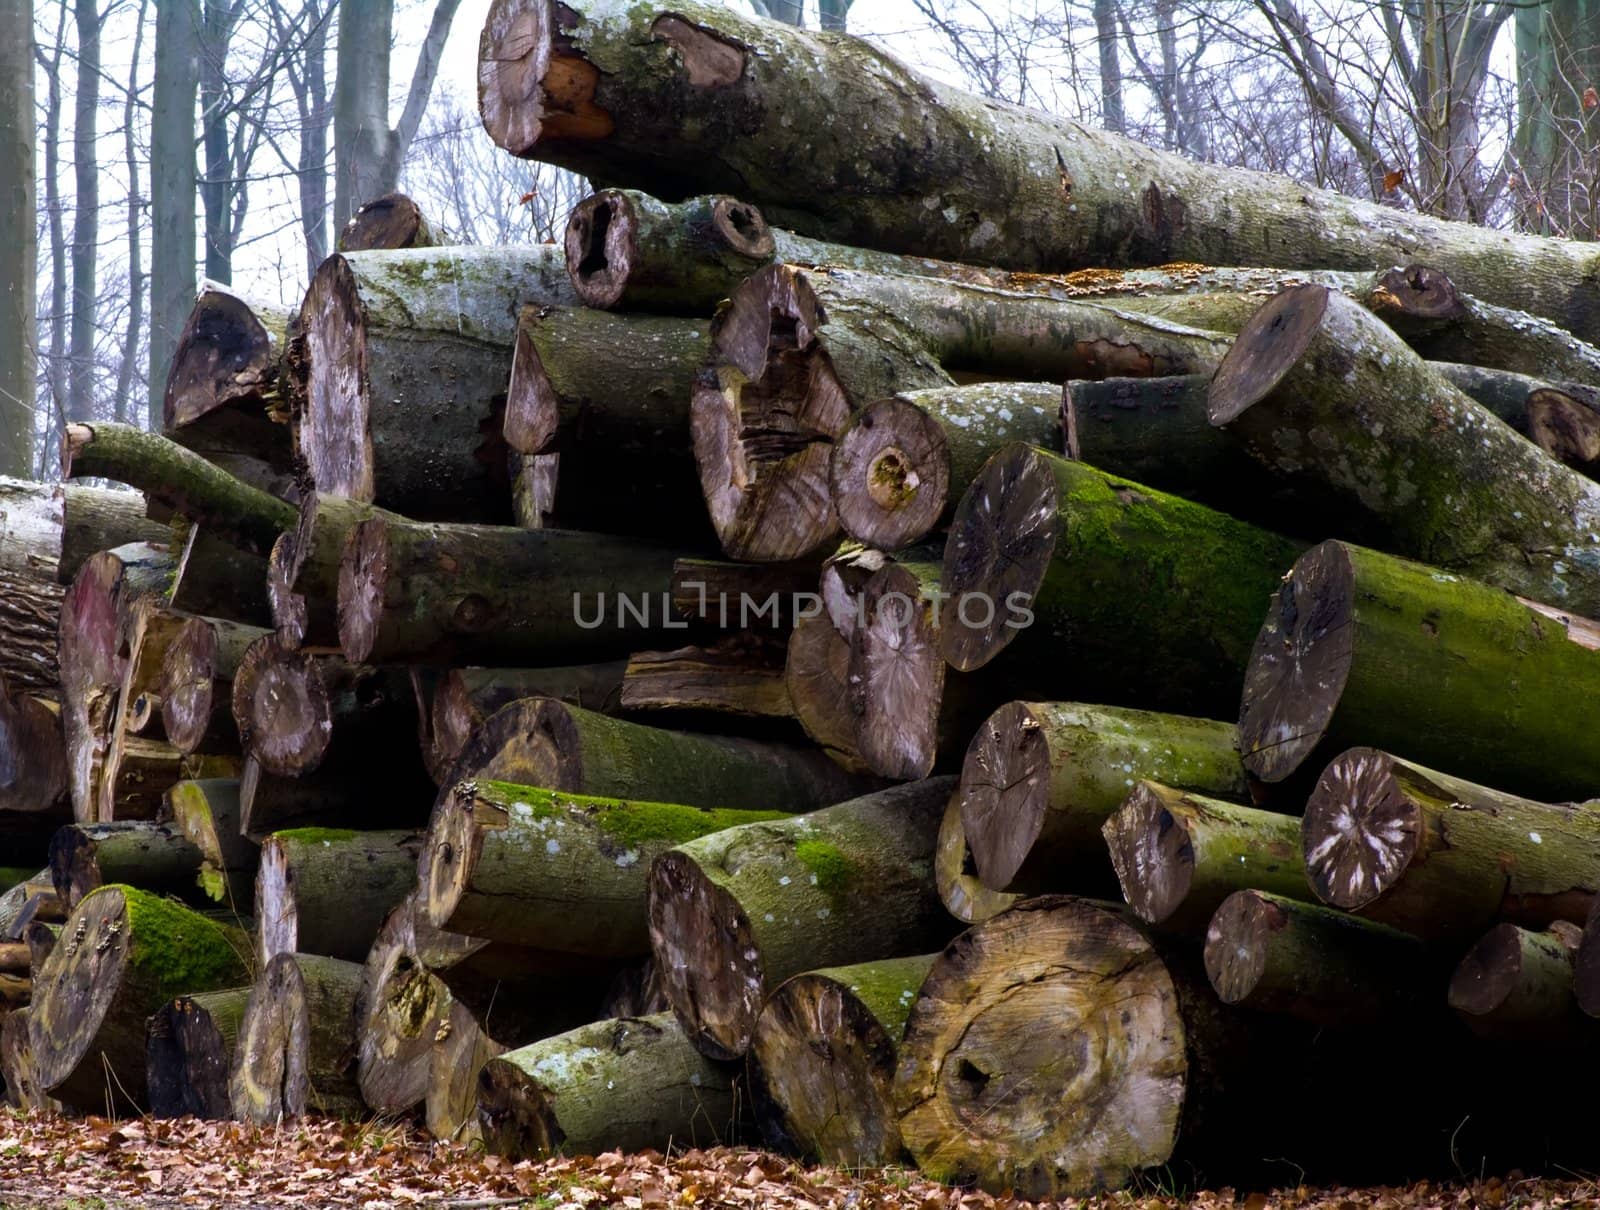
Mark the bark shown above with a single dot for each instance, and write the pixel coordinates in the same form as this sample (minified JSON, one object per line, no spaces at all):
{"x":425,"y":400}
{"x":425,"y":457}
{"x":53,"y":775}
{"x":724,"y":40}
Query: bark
{"x":1178,"y":855}
{"x":702,"y":100}
{"x":1041,"y":779}
{"x":624,"y":1085}
{"x":1443,"y":858}
{"x":207,"y":813}
{"x":558,"y":871}
{"x":1452,"y":485}
{"x":328,"y":890}
{"x":19,"y":267}
{"x":456,"y":1059}
{"x":608,"y":396}
{"x":18,"y":1070}
{"x":955,"y":873}
{"x":427,"y":334}
{"x":740,"y":677}
{"x":401,"y":1008}
{"x":214,"y":578}
{"x":189,"y":1047}
{"x":822,"y":1061}
{"x":30,"y":613}
{"x":1052,"y":562}
{"x":816,"y":675}
{"x":903,"y":462}
{"x":295,"y":1042}
{"x":196,"y":686}
{"x":446,"y":594}
{"x":14,"y":902}
{"x":125,"y":953}
{"x":391,"y":221}
{"x":735,"y":913}
{"x":1516,"y":984}
{"x":739,"y":596}
{"x":172,"y":186}
{"x":33,"y":771}
{"x":153,"y":857}
{"x":1361,"y":647}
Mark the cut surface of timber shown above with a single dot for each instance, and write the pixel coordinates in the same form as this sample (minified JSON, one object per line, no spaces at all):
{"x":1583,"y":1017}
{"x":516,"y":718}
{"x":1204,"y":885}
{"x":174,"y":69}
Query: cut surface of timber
{"x":736,"y":912}
{"x":328,"y":890}
{"x":293,"y":1054}
{"x":1451,"y":484}
{"x":1364,"y":648}
{"x":47,"y":530}
{"x":138,"y":770}
{"x":1443,"y":858}
{"x":122,"y":954}
{"x":33,"y":769}
{"x":816,"y":674}
{"x":553,"y":870}
{"x":1517,"y":984}
{"x":228,"y":356}
{"x":153,"y":857}
{"x":955,"y":873}
{"x":823,"y":1057}
{"x":189,"y":1045}
{"x":400,"y":1010}
{"x":196,"y":685}
{"x":700,"y":100}
{"x":1040,"y":778}
{"x":391,"y":221}
{"x":404,"y":361}
{"x":207,"y":812}
{"x":625,"y":1085}
{"x":456,"y":1059}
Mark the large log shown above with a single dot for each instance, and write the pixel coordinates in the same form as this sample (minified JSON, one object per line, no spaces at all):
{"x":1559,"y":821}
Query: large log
{"x":1364,"y":648}
{"x":196,"y":685}
{"x":702,"y":99}
{"x":402,"y":365}
{"x":189,"y":1047}
{"x":295,"y":1045}
{"x":955,"y":872}
{"x":822,"y":1061}
{"x":1516,"y":984}
{"x":157,"y":858}
{"x":735,"y":913}
{"x":624,"y":1085}
{"x":33,"y":771}
{"x":123,"y":954}
{"x":400,"y":1009}
{"x":1041,"y":778}
{"x":1314,"y":373}
{"x":208,"y":814}
{"x":1442,"y":858}
{"x":736,"y":681}
{"x":391,"y":221}
{"x":328,"y":890}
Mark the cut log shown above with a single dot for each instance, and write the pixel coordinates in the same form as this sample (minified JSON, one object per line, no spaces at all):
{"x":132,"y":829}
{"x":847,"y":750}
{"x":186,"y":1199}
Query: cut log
{"x":736,"y":912}
{"x":1452,"y":485}
{"x":1064,"y":567}
{"x":392,"y":221}
{"x":955,"y":873}
{"x":384,"y":790}
{"x":822,"y":1062}
{"x":207,"y":813}
{"x":454,"y":594}
{"x":15,"y":900}
{"x":552,"y":870}
{"x":1041,"y":778}
{"x":1442,"y":858}
{"x":735,"y":595}
{"x":846,"y":573}
{"x":517,"y":995}
{"x":740,"y":677}
{"x":1517,"y":985}
{"x":1178,"y":855}
{"x":623,"y":1085}
{"x":131,"y":783}
{"x":1364,"y":648}
{"x":153,"y":857}
{"x":328,"y":890}
{"x":303,"y":569}
{"x":18,"y":1071}
{"x":426,"y":333}
{"x":702,"y":99}
{"x":465,"y":697}
{"x":816,"y":675}
{"x":189,"y":1047}
{"x":122,"y":954}
{"x":540,"y":742}
{"x":216,"y":579}
{"x":456,"y":1059}
{"x":196,"y":685}
{"x":33,"y":771}
{"x":295,"y":1044}
{"x":401,"y":1009}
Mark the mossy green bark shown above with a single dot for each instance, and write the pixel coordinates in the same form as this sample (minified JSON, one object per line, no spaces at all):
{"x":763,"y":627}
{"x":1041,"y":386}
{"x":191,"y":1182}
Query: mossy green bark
{"x":326,"y":891}
{"x":1516,"y":985}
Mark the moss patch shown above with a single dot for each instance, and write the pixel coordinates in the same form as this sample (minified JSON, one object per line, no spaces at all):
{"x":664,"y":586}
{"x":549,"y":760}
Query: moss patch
{"x":541,"y":803}
{"x":629,"y":824}
{"x":178,"y":950}
{"x":318,"y":835}
{"x":830,"y":867}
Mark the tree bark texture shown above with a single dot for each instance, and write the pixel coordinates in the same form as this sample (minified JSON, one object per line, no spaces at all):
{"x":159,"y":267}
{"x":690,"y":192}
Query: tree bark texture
{"x":189,"y":1046}
{"x":328,"y":890}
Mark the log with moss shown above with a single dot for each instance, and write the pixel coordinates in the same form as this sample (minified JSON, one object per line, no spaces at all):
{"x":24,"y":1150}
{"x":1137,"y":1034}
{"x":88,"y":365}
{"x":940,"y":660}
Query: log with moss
{"x":816,"y":674}
{"x":295,"y":1045}
{"x":33,"y":771}
{"x":736,"y":912}
{"x":328,"y":890}
{"x":456,"y":1060}
{"x":391,"y":221}
{"x":123,"y":953}
{"x":1516,"y":984}
{"x":624,"y":1085}
{"x":402,"y":365}
{"x":154,"y":857}
{"x":955,"y":872}
{"x":18,"y":1071}
{"x":554,"y":870}
{"x":189,"y":1048}
{"x":822,"y":1062}
{"x":400,"y":1009}
{"x":207,"y":813}
{"x":1364,"y":648}
{"x":737,"y":679}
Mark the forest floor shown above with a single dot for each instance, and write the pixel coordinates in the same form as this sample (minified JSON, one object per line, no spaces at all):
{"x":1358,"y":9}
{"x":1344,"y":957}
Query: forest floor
{"x":52,"y":1163}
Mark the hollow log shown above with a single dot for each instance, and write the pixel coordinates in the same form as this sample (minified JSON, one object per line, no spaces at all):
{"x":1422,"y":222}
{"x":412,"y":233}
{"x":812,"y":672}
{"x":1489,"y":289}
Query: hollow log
{"x":1442,"y":858}
{"x":816,"y":675}
{"x":33,"y":771}
{"x":196,"y":684}
{"x":18,"y":1070}
{"x":327,"y":890}
{"x":391,"y":221}
{"x":293,"y":1054}
{"x":122,"y":954}
{"x":427,"y":334}
{"x":1453,"y":486}
{"x":624,"y":1085}
{"x":456,"y":1059}
{"x":955,"y":873}
{"x":207,"y":813}
{"x":822,"y":1061}
{"x":154,"y":857}
{"x":400,"y":1010}
{"x":553,"y":870}
{"x":189,"y":1048}
{"x":1517,"y":984}
{"x":1364,"y":648}
{"x":736,"y":912}
{"x":739,"y":677}
{"x":701,"y":100}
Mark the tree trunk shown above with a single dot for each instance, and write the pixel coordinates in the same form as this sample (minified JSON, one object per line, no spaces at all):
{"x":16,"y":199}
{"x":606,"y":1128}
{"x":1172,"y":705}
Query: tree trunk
{"x":1041,"y":779}
{"x":153,"y":857}
{"x":735,"y":913}
{"x":623,"y":1085}
{"x":85,"y":212}
{"x":391,"y":221}
{"x":19,"y":237}
{"x":196,"y":686}
{"x":172,"y":187}
{"x":207,"y":813}
{"x":740,"y":677}
{"x":956,"y":873}
{"x":125,"y":953}
{"x":214,"y":578}
{"x":1442,"y":858}
{"x":456,"y":1059}
{"x":1453,"y":486}
{"x":1360,"y":647}
{"x":552,"y":870}
{"x":465,"y":697}
{"x":18,"y":1069}
{"x":401,"y":1008}
{"x":822,"y":1062}
{"x":33,"y":772}
{"x":1178,"y":855}
{"x":903,"y":462}
{"x":328,"y":890}
{"x":703,"y":100}
{"x":1517,"y":985}
{"x":293,"y":1055}
{"x":189,"y":1048}
{"x":816,"y":674}
{"x":427,"y":333}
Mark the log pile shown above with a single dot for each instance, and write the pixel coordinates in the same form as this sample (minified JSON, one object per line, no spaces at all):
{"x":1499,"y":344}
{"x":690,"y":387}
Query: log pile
{"x":874,"y":656}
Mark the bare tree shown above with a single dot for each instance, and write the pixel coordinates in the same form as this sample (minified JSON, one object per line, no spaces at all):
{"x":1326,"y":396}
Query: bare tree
{"x":133,"y":330}
{"x":18,"y":240}
{"x":85,"y":213}
{"x":172,"y":186}
{"x":56,"y":356}
{"x":1558,"y":117}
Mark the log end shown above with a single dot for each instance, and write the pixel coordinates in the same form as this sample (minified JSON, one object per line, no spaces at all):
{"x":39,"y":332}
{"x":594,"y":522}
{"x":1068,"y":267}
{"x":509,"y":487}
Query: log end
{"x":531,"y":742}
{"x":955,"y":873}
{"x":288,"y":608}
{"x":533,"y":410}
{"x":1419,"y":293}
{"x":225,"y":354}
{"x":17,"y":1067}
{"x":1237,"y":941}
{"x":816,"y":674}
{"x":334,"y":438}
{"x":392,"y":221}
{"x":515,"y":1114}
{"x":452,"y":718}
{"x":400,"y":1009}
{"x":1360,"y":831}
{"x":77,"y":987}
{"x":896,"y":677}
{"x":600,"y":243}
{"x":270,"y":1081}
{"x":450,"y":853}
{"x":186,"y":1062}
{"x":281,"y":706}
{"x":1005,"y":792}
{"x":529,"y":91}
{"x":1267,"y":348}
{"x":1490,"y":973}
{"x":363,"y":575}
{"x":1564,"y":427}
{"x":277,"y":915}
{"x":188,"y":672}
{"x":890,"y":475}
{"x":1152,"y":854}
{"x":33,"y":757}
